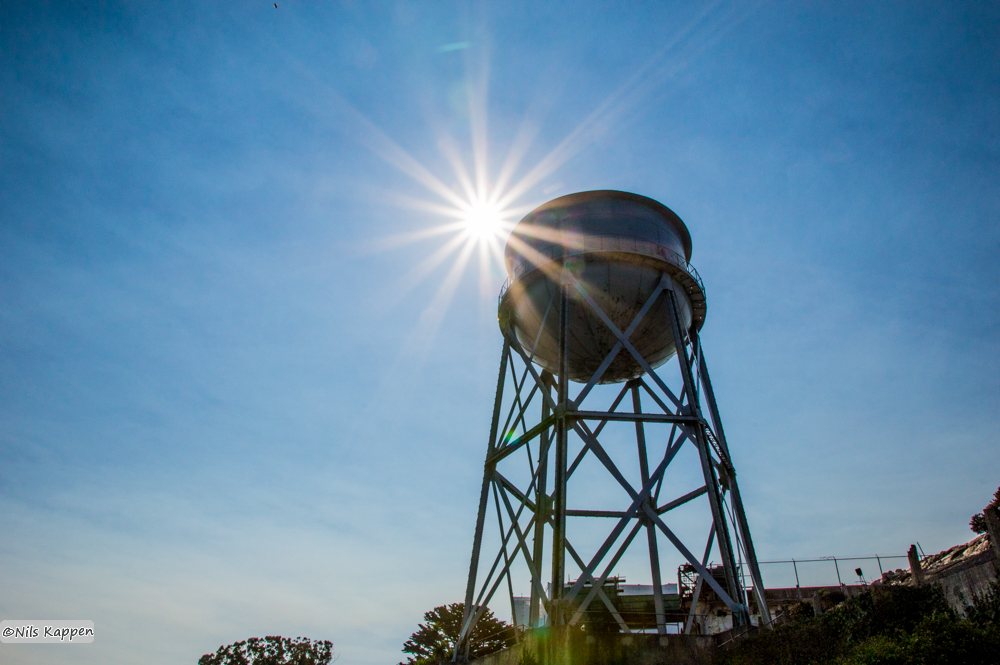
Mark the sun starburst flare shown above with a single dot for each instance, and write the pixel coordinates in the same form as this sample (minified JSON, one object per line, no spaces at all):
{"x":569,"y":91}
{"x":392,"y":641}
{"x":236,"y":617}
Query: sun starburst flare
{"x":478,"y":213}
{"x":483,"y":220}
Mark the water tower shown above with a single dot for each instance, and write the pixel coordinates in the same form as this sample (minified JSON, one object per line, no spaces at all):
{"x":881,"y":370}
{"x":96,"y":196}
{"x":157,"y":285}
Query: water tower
{"x":601,"y":291}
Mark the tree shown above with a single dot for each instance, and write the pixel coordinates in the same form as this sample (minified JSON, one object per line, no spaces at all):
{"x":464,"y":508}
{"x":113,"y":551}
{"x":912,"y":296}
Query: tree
{"x":978,"y":521}
{"x":272,"y":650}
{"x":434,"y":641}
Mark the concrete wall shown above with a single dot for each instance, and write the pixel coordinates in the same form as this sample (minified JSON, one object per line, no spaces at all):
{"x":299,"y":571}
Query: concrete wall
{"x":964,"y":572}
{"x":962,"y":584}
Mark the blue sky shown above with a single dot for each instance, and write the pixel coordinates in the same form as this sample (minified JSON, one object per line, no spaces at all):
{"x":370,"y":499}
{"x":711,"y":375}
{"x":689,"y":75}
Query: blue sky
{"x":232,"y":405}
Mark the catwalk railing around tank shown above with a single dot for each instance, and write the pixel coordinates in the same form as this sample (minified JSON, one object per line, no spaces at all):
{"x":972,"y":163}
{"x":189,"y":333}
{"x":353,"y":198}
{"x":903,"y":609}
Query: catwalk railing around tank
{"x":592,"y":244}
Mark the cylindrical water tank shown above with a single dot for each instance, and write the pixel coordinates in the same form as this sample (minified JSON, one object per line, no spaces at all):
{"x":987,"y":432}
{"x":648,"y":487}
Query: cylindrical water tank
{"x":618,"y":246}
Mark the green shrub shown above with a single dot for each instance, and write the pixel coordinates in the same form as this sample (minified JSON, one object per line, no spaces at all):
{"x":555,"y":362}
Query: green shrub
{"x":986,"y":608}
{"x":885,"y":610}
{"x":885,"y":625}
{"x":940,"y":640}
{"x":879,"y":650}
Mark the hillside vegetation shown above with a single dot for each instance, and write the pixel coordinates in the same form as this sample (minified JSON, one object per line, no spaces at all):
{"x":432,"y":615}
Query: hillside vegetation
{"x":886,"y":625}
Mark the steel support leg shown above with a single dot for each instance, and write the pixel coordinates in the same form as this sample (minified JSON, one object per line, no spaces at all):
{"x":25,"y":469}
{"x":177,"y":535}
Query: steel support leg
{"x":484,"y":495}
{"x":711,"y":480}
{"x":559,"y":490}
{"x":697,"y":586}
{"x":541,"y":506}
{"x":654,"y":554}
{"x":737,"y":500}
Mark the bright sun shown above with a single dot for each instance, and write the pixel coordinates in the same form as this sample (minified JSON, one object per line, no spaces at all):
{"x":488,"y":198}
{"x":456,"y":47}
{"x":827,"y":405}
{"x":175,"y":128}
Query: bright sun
{"x":483,"y":220}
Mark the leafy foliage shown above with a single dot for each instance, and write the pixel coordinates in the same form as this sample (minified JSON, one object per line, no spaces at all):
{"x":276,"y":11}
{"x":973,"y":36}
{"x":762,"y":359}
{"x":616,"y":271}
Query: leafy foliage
{"x":978,"y":521}
{"x":435,"y":640}
{"x":985,"y":609}
{"x":272,"y":650}
{"x":936,"y":640}
{"x":886,"y":625}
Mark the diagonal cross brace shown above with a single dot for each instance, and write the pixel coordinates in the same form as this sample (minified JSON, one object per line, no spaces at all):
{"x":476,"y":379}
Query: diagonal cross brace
{"x":726,"y":598}
{"x":519,"y":384}
{"x":508,"y":430}
{"x":506,"y":562}
{"x":597,"y":431}
{"x":599,"y":583}
{"x":512,"y":447}
{"x":680,"y":501}
{"x":510,"y":487}
{"x":472,"y":617}
{"x":531,"y":368}
{"x":697,"y":586}
{"x":598,"y":588}
{"x":622,"y":338}
{"x":656,"y":398}
{"x":639,"y":501}
{"x":522,"y":541}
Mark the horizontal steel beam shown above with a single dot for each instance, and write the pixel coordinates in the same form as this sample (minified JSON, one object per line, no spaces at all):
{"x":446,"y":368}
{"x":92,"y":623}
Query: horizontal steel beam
{"x":596,"y":513}
{"x":632,"y":417}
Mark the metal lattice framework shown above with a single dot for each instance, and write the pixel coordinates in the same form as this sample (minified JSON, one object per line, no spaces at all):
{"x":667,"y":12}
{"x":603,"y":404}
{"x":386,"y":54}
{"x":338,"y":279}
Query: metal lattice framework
{"x":535,"y":418}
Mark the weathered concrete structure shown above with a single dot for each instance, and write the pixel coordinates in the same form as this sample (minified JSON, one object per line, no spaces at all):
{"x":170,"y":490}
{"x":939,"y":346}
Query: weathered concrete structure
{"x":691,"y":611}
{"x":711,"y":618}
{"x":963,"y":572}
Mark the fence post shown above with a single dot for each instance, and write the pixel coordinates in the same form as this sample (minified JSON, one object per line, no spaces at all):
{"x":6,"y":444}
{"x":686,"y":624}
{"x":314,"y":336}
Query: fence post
{"x":992,"y":515}
{"x":817,"y":604}
{"x":918,"y":574}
